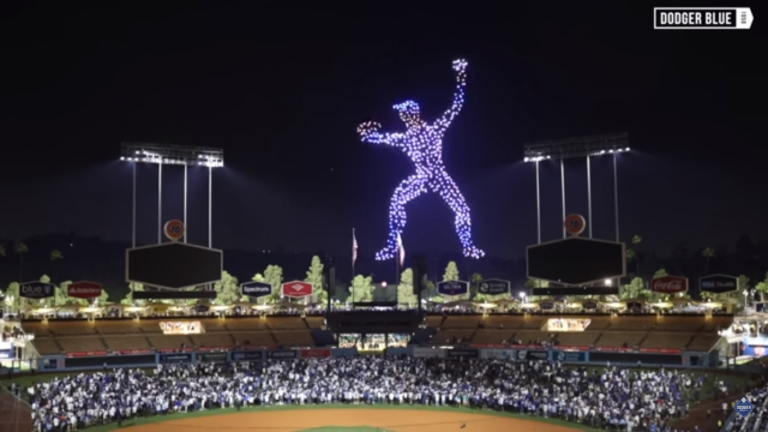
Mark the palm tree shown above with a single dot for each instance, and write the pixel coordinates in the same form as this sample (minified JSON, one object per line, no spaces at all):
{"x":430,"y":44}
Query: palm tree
{"x":55,"y":256}
{"x":636,"y":240}
{"x":708,"y":254}
{"x":21,"y":249}
{"x":631,"y":256}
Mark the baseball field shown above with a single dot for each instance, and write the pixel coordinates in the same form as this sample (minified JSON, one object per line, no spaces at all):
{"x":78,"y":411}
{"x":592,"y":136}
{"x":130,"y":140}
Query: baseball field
{"x":345,"y":418}
{"x":15,"y":417}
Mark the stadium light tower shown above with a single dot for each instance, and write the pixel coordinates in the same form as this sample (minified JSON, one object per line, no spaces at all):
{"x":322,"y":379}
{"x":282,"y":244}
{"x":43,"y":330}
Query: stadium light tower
{"x":162,"y":154}
{"x":586,"y":147}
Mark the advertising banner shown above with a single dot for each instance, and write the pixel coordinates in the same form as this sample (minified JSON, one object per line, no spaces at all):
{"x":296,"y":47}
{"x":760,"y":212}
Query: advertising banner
{"x":669,"y":284}
{"x":719,"y":283}
{"x":281,"y":354}
{"x":247,"y":355}
{"x":423,"y":352}
{"x":181,"y":327}
{"x":297,"y":289}
{"x":135,"y":351}
{"x":256,"y":289}
{"x":86,"y":354}
{"x":176,"y":358}
{"x":36,"y":290}
{"x":532,"y":355}
{"x":452,"y":288}
{"x":315,"y":353}
{"x":84,"y":290}
{"x":53,"y":363}
{"x":494,"y":286}
{"x":212,"y":357}
{"x":499,"y":354}
{"x":647,"y":359}
{"x":462,"y":352}
{"x":568,"y":356}
{"x":399,"y":351}
{"x":343,"y":352}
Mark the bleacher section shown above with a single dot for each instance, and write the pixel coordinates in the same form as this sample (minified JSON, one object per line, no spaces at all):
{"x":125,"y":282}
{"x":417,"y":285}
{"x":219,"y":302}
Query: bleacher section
{"x":493,"y":336}
{"x":448,"y":336}
{"x":281,"y":323}
{"x":60,"y":336}
{"x":586,"y":338}
{"x":620,"y":338}
{"x":694,"y":333}
{"x":127,"y":343}
{"x":315,"y":322}
{"x":294,"y":338}
{"x":703,"y":342}
{"x":81,"y":344}
{"x":462,"y":322}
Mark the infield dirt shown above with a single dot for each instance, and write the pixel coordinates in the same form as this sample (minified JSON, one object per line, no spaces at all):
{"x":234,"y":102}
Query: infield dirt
{"x":387,"y":419}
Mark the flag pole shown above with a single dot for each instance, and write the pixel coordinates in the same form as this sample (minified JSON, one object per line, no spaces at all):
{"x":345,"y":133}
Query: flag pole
{"x":400,"y":249}
{"x":354,"y":253}
{"x":397,"y":268}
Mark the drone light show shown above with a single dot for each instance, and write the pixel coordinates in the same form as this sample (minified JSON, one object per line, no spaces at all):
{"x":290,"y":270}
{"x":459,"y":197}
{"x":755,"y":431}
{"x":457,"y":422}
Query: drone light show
{"x":423,"y":143}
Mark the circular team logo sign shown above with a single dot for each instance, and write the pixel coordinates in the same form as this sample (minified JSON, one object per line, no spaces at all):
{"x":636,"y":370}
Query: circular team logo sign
{"x":174,"y":229}
{"x":575,"y":224}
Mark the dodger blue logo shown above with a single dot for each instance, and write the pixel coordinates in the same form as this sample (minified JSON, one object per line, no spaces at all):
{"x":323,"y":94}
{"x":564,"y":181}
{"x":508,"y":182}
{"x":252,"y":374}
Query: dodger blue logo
{"x":743,"y":407}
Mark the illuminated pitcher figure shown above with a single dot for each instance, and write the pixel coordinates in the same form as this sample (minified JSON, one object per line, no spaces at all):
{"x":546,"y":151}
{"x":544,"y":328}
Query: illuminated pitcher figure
{"x":423,"y":143}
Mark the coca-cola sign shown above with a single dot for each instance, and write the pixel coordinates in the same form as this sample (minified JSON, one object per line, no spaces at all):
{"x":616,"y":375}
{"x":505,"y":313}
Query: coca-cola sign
{"x":36,"y":290}
{"x":84,"y":290}
{"x":669,"y":284}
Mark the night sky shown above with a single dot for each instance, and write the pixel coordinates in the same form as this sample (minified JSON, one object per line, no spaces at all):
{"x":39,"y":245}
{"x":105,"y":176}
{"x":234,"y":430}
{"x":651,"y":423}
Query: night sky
{"x":283,"y":88}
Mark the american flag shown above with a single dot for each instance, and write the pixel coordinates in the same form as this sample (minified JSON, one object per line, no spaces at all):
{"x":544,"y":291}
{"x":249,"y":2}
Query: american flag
{"x":400,"y":249}
{"x":354,"y":247}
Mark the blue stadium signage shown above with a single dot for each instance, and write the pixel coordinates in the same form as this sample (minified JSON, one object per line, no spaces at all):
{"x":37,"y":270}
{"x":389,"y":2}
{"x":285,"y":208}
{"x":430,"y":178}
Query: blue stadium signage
{"x":176,"y":358}
{"x":36,"y":290}
{"x":453,"y":288}
{"x":458,"y":352}
{"x":281,"y":354}
{"x":743,"y":407}
{"x":247,"y":355}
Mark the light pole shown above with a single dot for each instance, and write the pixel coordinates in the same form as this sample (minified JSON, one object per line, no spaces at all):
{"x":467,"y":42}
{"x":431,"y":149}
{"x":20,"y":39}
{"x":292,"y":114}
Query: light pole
{"x":581,"y":147}
{"x":161,"y":155}
{"x":538,"y":206}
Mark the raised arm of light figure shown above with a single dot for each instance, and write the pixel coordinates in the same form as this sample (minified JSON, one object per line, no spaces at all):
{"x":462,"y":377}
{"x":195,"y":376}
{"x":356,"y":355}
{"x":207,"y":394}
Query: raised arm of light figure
{"x":369,"y":132}
{"x":460,"y":66}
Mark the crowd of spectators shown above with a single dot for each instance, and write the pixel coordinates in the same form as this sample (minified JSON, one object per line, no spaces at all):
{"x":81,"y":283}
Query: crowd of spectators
{"x":612,"y":398}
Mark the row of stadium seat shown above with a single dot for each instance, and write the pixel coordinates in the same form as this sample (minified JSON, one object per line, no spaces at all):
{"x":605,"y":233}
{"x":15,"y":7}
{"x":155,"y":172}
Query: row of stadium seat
{"x":661,"y":340}
{"x":152,"y":326}
{"x":666,"y":323}
{"x":56,"y":345}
